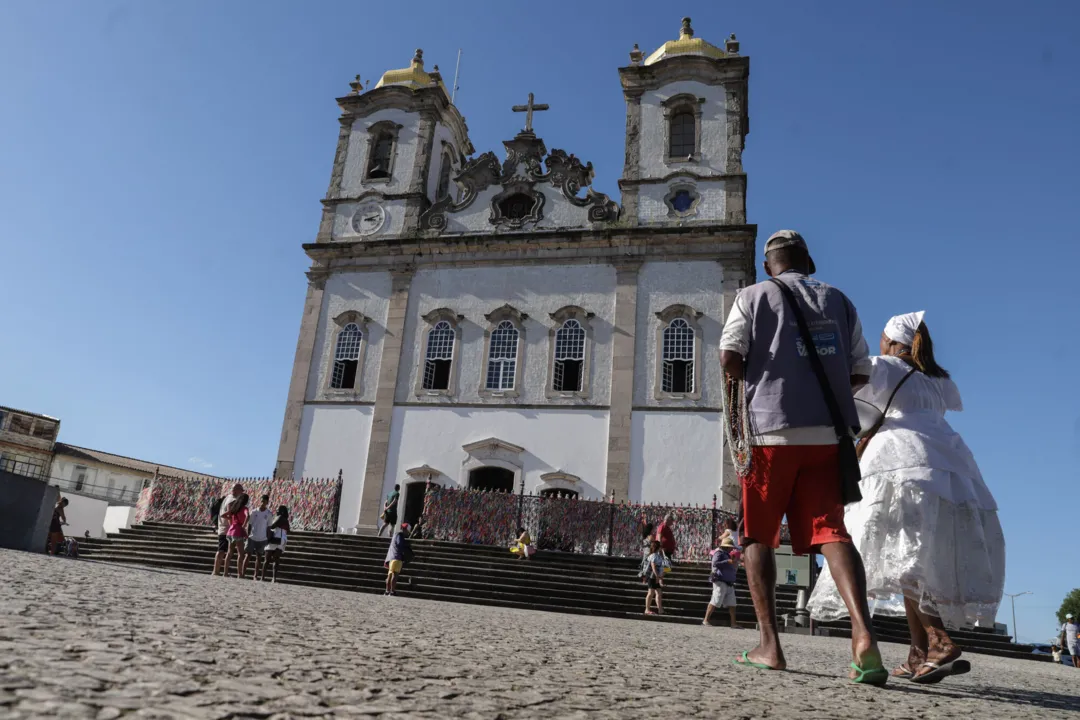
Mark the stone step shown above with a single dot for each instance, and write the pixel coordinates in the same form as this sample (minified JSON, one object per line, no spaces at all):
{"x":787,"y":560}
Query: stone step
{"x":529,"y":587}
{"x":486,"y":575}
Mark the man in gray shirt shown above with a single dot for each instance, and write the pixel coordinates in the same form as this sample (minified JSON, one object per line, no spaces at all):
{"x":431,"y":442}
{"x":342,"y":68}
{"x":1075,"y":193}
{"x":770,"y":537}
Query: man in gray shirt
{"x":794,"y":469}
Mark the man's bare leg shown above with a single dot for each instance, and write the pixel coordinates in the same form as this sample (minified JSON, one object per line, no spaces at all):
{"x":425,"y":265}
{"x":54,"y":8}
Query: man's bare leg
{"x":734,"y":622}
{"x":219,"y":560}
{"x":848,"y":572}
{"x":708,"y":614}
{"x":760,"y":563}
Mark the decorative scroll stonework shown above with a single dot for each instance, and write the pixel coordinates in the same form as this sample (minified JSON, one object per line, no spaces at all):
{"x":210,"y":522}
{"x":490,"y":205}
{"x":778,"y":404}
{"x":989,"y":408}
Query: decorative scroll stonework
{"x":520,"y":173}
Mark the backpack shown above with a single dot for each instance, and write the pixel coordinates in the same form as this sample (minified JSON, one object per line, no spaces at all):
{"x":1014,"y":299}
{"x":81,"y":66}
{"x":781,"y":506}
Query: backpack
{"x":215,"y":509}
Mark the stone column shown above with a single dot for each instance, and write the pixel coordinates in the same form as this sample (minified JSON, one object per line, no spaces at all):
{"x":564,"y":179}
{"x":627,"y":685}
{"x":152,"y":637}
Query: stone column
{"x":622,"y":380}
{"x":383,"y":413}
{"x":632,"y":161}
{"x":294,"y":403}
{"x":730,"y":485}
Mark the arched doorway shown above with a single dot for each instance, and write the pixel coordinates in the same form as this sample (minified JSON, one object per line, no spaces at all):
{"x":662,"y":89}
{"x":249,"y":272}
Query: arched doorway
{"x":492,"y":479}
{"x":414,"y":502}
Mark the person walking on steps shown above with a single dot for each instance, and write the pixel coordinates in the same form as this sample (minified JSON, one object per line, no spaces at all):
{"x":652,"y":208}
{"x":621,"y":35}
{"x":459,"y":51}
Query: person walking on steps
{"x":800,"y":410}
{"x":927,"y":527}
{"x":655,"y":564}
{"x":277,"y":536}
{"x":389,"y":513}
{"x":258,"y":525}
{"x":398,"y":556}
{"x":722,"y":576}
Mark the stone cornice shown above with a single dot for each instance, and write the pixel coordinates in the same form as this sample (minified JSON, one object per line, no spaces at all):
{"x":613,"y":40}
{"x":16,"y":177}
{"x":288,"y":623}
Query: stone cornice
{"x":492,"y":445}
{"x":623,"y":183}
{"x":637,"y":79}
{"x":731,"y":244}
{"x":424,"y":100}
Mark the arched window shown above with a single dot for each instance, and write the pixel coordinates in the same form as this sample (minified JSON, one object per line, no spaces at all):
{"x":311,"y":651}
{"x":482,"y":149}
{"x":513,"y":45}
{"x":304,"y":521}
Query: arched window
{"x":683,"y":134}
{"x":439,"y":357}
{"x":346,"y":357}
{"x":678,"y":357}
{"x":502,"y":357}
{"x":381,"y":152}
{"x":567,"y":374}
{"x":444,"y":177}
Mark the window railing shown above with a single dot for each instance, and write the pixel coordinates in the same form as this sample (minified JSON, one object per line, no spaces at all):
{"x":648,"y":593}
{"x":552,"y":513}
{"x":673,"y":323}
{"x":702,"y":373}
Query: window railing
{"x":121,"y":495}
{"x":30,"y":468}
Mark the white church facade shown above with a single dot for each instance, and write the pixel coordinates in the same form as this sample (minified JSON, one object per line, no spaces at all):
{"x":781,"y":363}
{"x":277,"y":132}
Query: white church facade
{"x":486,"y":321}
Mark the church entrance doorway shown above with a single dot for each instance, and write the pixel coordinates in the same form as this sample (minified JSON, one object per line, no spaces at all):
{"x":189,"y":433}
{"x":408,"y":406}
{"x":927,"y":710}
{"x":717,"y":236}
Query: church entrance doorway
{"x":491,"y":479}
{"x":414,"y":502}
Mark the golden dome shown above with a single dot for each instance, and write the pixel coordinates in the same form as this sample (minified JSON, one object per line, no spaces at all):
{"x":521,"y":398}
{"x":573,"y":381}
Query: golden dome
{"x":687,"y":44}
{"x":413,"y":77}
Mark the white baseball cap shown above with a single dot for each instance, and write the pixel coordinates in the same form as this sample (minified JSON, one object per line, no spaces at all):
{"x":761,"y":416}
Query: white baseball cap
{"x":1068,"y":616}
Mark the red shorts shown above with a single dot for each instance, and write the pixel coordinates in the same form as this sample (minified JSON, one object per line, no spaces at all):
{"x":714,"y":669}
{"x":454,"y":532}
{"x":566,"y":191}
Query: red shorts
{"x":801,"y":481}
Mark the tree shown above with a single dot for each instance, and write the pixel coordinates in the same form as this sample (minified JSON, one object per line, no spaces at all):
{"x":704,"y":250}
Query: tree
{"x":1071,"y":604}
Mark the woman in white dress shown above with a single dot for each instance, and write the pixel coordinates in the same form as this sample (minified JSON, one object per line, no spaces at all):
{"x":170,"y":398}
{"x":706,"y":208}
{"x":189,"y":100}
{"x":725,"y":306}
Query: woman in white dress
{"x":927,"y":526}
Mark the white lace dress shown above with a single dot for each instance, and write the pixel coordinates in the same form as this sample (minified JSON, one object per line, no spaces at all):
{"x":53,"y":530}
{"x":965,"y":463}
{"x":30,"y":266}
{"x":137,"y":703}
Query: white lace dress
{"x":927,"y":526}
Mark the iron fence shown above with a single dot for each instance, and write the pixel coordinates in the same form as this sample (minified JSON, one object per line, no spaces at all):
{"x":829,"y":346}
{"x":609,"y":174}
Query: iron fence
{"x":565,"y":523}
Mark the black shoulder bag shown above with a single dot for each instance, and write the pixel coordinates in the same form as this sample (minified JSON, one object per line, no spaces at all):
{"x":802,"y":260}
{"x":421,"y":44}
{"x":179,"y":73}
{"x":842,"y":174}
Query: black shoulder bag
{"x":864,"y":441}
{"x":850,"y":475}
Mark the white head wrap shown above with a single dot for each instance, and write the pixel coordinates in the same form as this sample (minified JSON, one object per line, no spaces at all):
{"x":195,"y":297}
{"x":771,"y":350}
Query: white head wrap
{"x":901,"y":328}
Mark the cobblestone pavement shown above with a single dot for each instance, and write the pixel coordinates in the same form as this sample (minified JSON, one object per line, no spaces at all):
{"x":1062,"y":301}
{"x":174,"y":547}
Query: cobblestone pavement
{"x":80,"y":639}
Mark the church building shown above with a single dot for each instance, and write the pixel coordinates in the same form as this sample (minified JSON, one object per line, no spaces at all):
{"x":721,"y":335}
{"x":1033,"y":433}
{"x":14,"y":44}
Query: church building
{"x":491,"y":321}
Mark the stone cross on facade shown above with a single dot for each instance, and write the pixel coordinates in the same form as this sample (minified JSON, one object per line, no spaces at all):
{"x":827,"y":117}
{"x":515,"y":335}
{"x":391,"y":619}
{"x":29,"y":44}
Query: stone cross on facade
{"x":528,"y":109}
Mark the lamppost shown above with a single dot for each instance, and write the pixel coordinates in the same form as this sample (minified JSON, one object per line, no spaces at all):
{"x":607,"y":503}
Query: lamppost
{"x":1012,"y":600}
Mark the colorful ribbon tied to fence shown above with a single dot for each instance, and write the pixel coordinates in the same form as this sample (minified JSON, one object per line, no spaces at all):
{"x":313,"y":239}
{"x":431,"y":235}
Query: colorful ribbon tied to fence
{"x":566,"y":524}
{"x":313,"y":503}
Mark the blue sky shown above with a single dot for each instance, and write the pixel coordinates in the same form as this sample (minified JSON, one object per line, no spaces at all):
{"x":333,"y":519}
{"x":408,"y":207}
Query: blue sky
{"x":161,"y":164}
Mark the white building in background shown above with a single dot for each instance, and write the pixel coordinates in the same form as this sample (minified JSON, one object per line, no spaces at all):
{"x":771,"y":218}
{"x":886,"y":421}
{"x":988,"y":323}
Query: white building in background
{"x":115,"y":478}
{"x":494,"y":322}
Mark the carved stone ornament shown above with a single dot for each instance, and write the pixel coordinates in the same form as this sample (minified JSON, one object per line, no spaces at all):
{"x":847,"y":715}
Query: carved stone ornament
{"x":522,"y":170}
{"x":518,"y":204}
{"x":477,"y":175}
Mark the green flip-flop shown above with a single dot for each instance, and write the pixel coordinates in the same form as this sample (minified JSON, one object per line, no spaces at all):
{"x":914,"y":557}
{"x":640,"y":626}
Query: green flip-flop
{"x":746,"y":662}
{"x":876,"y":676}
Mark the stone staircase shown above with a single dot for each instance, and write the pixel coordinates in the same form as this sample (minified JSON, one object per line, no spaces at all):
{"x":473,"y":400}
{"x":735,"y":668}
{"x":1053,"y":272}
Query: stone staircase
{"x":483,"y":575}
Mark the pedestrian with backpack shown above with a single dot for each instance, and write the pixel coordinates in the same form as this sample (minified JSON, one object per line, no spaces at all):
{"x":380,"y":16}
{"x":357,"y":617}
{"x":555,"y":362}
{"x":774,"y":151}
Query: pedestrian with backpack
{"x":654,"y":578}
{"x":219,"y":508}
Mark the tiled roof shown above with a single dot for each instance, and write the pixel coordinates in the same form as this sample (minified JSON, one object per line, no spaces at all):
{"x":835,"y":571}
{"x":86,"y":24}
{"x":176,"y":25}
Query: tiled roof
{"x":121,"y":461}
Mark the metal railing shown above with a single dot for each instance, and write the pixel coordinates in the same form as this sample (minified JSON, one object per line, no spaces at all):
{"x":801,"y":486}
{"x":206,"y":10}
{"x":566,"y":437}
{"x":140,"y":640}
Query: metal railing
{"x":566,"y":523}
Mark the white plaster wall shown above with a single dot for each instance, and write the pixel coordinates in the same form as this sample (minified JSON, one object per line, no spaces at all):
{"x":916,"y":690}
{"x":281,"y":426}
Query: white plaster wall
{"x":653,"y":161}
{"x":536,"y":291}
{"x":369,"y":295}
{"x":336,"y":438}
{"x":393,"y":225}
{"x":698,"y":284}
{"x":84,"y":514}
{"x":675,"y":457}
{"x":574,"y":441}
{"x":125,"y":484}
{"x":118,"y":517}
{"x":712,"y":205}
{"x":356,"y":160}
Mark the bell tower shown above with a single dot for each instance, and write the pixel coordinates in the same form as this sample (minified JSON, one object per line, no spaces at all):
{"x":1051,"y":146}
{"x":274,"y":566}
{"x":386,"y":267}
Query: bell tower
{"x":686,"y":123}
